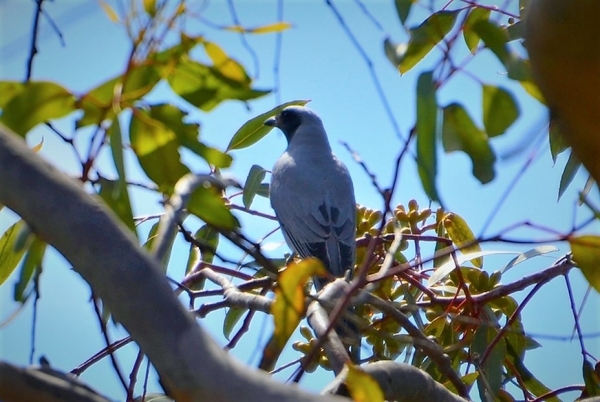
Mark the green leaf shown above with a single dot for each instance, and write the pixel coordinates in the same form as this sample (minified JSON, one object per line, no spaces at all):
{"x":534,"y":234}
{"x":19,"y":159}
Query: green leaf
{"x":425,"y":37}
{"x":459,"y":133}
{"x":462,"y":236}
{"x":263,"y":29}
{"x":31,"y":263}
{"x":231,"y":318}
{"x":393,"y":51}
{"x":187,"y":134}
{"x":10,"y":252}
{"x":253,"y":184}
{"x":470,"y":36}
{"x":8,"y":90}
{"x":558,"y":143}
{"x":122,"y":91}
{"x":592,"y":387}
{"x":427,"y":111}
{"x":499,"y":110}
{"x":205,"y":87}
{"x":567,"y":176}
{"x":36,"y":103}
{"x":495,"y":38}
{"x":115,"y":194}
{"x":403,"y":9}
{"x":586,"y":254}
{"x":207,"y":204}
{"x":207,"y":236}
{"x":491,"y":370}
{"x":156,"y":147}
{"x":362,"y":386}
{"x":254,"y":129}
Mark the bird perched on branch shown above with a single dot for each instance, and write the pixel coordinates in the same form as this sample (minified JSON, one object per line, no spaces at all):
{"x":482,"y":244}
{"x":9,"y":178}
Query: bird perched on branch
{"x":312,"y":194}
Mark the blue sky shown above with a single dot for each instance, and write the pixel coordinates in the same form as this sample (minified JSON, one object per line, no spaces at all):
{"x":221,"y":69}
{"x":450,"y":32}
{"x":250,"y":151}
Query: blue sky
{"x":318,"y":62}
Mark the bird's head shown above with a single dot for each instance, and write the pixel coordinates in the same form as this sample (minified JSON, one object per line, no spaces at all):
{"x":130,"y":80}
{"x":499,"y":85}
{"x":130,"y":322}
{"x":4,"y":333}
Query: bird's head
{"x":291,"y":118}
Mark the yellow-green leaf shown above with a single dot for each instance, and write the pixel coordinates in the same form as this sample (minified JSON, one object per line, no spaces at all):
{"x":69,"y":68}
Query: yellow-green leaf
{"x":9,"y":89}
{"x":263,"y":29}
{"x":471,"y":38}
{"x":427,"y":110}
{"x":289,"y":307}
{"x":403,"y":9}
{"x":499,"y":110}
{"x":231,"y":318}
{"x":225,"y":65}
{"x":156,"y":147}
{"x":207,"y":203}
{"x":460,"y":233}
{"x":10,"y":250}
{"x":110,"y":12}
{"x":459,"y":133}
{"x":586,"y":254}
{"x":363,"y":387}
{"x":36,"y":103}
{"x":254,"y":129}
{"x":425,"y":37}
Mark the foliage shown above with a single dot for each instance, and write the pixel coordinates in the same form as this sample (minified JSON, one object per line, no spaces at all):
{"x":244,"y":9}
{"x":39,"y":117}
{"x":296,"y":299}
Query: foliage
{"x":435,"y":274}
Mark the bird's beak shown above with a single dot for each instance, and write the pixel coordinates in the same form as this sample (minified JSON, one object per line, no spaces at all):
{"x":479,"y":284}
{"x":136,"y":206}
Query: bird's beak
{"x":271,"y":122}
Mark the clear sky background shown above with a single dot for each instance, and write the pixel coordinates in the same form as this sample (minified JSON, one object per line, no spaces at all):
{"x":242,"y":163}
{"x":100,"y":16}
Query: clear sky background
{"x":318,"y":62}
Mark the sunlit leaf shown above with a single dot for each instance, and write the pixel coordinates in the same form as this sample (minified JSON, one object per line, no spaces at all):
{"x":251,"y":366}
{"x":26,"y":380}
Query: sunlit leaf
{"x":8,"y":89}
{"x":36,"y":103}
{"x":263,"y":29}
{"x":470,"y":36}
{"x":427,"y":110}
{"x":187,"y":134}
{"x":10,"y":252}
{"x":491,"y":372}
{"x":150,"y":7}
{"x":528,"y":255}
{"x":225,"y":65}
{"x":156,"y":147}
{"x":207,"y":204}
{"x":568,"y":174}
{"x":459,"y":133}
{"x":362,"y":387}
{"x":231,"y":318}
{"x":425,"y":37}
{"x":586,"y":254}
{"x":253,"y":184}
{"x":110,"y":12}
{"x":403,"y":9}
{"x":461,"y":234}
{"x":109,"y":98}
{"x":37,"y":148}
{"x":288,"y":307}
{"x":31,"y":263}
{"x":205,"y":87}
{"x":499,"y":110}
{"x":254,"y":129}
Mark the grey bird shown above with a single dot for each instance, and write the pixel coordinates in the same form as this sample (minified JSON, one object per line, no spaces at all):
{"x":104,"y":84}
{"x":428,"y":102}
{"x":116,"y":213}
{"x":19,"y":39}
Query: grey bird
{"x":312,"y":194}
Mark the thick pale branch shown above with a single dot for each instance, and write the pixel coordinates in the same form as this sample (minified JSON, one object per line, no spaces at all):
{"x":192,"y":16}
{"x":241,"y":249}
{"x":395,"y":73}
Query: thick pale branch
{"x":129,"y":281}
